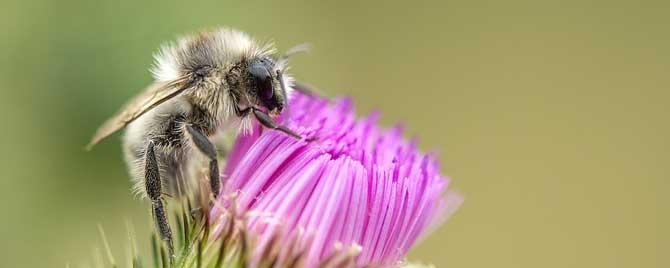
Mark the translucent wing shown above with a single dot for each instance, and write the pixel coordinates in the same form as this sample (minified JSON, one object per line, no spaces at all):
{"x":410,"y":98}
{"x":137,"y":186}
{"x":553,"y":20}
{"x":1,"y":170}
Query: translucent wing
{"x":151,"y":97}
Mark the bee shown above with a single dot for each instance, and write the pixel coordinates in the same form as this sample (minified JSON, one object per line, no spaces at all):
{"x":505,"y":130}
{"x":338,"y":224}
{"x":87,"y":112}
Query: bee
{"x":204,"y":83}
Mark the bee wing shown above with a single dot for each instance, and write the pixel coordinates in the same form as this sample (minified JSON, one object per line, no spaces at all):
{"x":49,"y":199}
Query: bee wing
{"x":152,"y":96}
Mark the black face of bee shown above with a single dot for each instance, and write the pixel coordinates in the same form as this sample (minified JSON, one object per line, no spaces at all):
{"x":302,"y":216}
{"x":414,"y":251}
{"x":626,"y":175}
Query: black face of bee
{"x":269,"y":95}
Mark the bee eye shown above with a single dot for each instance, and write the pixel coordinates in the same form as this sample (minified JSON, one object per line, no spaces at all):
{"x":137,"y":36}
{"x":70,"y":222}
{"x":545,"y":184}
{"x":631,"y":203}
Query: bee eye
{"x":262,"y":78}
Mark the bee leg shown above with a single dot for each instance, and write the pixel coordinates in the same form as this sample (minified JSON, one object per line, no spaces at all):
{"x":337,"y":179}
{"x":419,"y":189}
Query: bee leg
{"x":268,"y":122}
{"x":153,"y":188}
{"x":206,"y":147}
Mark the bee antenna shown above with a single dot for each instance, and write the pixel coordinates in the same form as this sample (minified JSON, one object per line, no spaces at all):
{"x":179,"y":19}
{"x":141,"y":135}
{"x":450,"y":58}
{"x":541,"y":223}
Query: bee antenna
{"x":300,"y":48}
{"x":280,"y":76}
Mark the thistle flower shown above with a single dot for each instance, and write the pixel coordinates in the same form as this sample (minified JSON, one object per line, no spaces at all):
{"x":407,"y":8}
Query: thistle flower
{"x":355,"y":193}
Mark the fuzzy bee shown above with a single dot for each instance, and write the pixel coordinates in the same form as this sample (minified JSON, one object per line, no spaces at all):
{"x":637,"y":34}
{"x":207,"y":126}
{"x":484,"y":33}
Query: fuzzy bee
{"x":204,"y":83}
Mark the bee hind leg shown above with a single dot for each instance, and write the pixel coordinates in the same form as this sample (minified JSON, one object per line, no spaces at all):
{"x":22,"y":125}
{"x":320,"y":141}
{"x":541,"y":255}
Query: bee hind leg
{"x":153,"y":188}
{"x":206,"y":147}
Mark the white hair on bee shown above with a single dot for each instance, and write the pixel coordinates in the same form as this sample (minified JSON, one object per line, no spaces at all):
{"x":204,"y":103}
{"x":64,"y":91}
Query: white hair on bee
{"x":165,"y":67}
{"x":218,"y":48}
{"x":289,"y":81}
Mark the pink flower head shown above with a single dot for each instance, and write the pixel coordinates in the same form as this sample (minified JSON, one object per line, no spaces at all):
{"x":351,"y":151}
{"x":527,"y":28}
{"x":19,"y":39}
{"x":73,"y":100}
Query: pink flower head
{"x":355,"y":186}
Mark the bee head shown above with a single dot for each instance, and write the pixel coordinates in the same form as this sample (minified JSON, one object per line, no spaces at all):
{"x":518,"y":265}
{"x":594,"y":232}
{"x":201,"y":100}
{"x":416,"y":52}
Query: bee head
{"x":266,"y":84}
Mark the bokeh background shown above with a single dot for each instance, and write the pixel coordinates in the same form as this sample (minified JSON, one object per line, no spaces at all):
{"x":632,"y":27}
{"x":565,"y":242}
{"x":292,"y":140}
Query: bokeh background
{"x":551,"y":117}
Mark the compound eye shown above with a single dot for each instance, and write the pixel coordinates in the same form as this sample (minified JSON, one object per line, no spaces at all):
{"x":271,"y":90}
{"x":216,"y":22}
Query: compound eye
{"x":262,"y":78}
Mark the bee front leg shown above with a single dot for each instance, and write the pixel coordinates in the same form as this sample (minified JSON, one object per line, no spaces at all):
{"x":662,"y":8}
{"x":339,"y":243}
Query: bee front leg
{"x":153,"y":188}
{"x":206,"y":147}
{"x":268,"y":122}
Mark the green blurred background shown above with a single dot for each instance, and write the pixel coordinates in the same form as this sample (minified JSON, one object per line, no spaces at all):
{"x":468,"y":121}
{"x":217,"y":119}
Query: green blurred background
{"x":551,"y":117}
